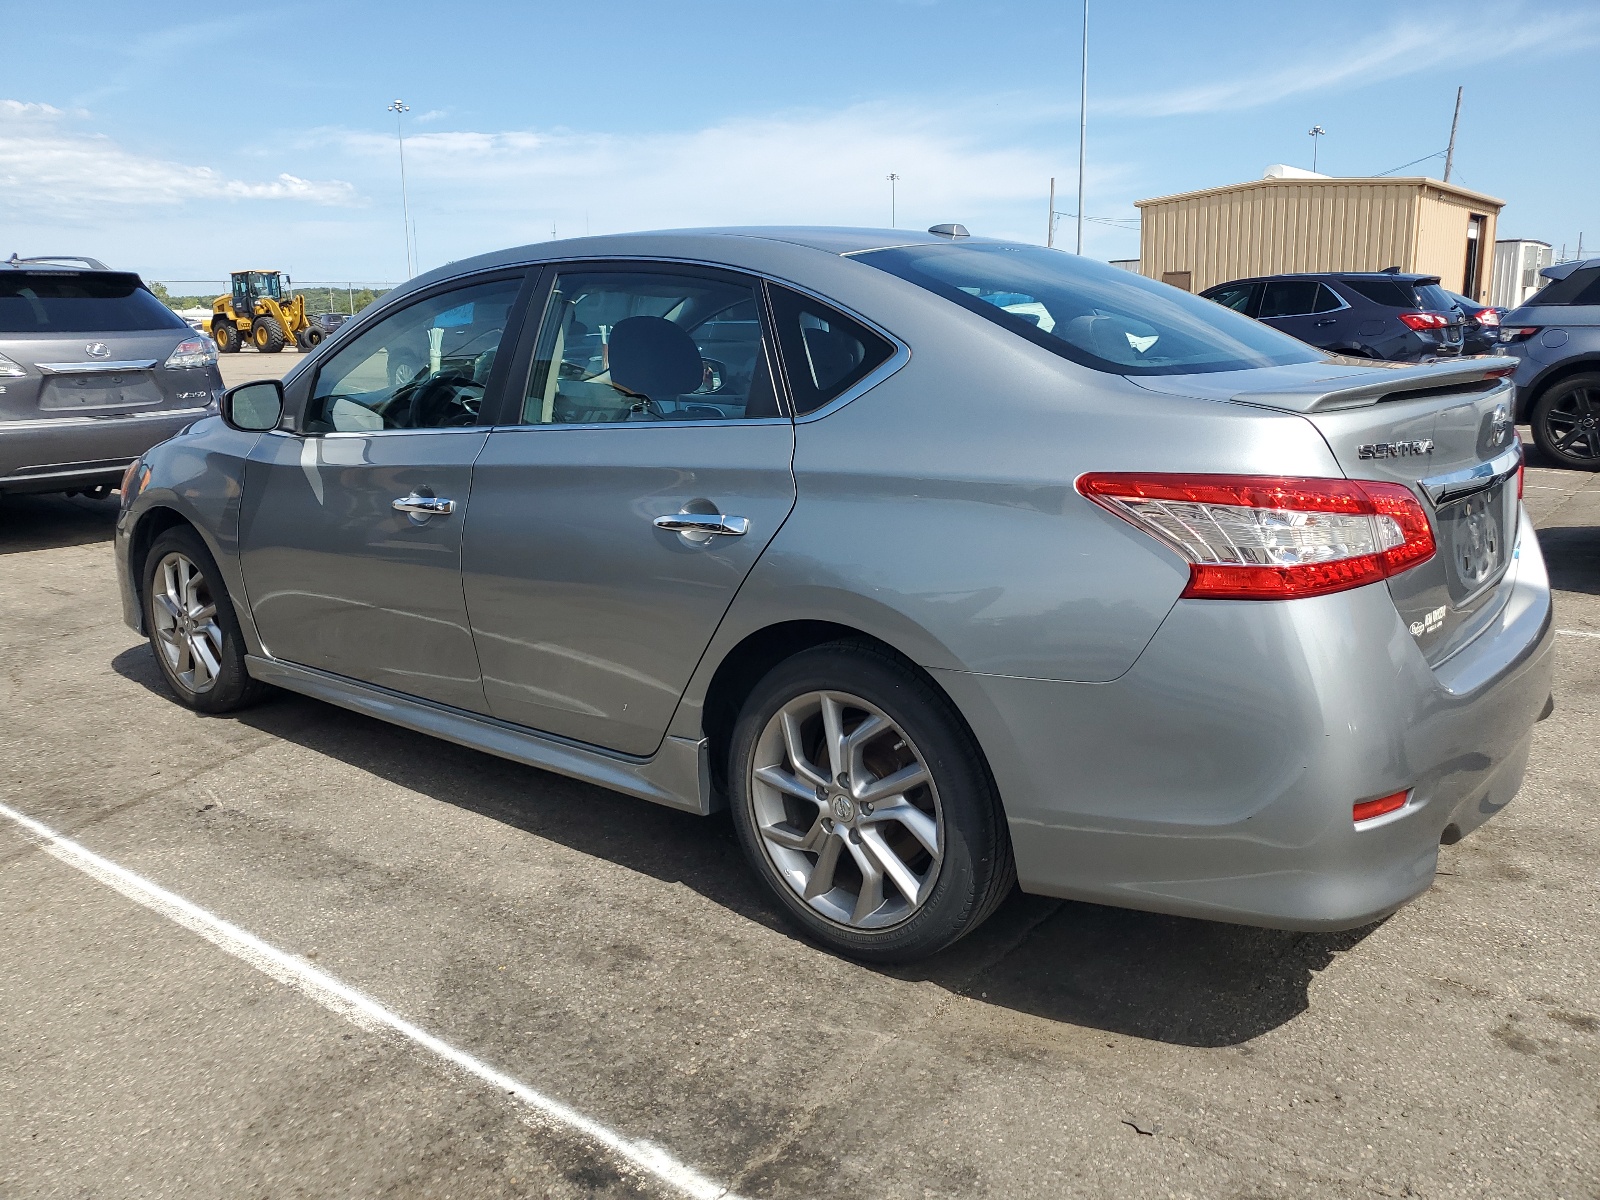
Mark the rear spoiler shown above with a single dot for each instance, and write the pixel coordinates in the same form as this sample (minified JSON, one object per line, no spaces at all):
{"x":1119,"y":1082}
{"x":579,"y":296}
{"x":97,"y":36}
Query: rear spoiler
{"x":1378,"y":382}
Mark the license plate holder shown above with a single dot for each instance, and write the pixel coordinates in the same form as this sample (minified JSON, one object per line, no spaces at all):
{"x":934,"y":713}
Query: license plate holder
{"x":1475,"y":533}
{"x":96,"y":390}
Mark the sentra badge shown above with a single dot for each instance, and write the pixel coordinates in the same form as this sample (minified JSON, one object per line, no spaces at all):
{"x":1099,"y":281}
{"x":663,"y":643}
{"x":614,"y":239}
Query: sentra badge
{"x":1395,"y":449}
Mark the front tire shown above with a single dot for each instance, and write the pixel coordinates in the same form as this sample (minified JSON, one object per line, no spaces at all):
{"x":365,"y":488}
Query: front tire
{"x":862,"y":801}
{"x":193,"y":629}
{"x":267,"y":334}
{"x":226,"y":336}
{"x":1566,"y":421}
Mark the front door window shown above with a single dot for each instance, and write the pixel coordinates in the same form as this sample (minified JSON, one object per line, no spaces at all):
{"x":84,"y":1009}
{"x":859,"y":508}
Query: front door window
{"x":425,"y":367}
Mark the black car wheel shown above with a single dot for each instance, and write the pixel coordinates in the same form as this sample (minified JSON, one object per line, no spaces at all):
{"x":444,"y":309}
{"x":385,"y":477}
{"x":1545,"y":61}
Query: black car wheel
{"x":1566,"y":422}
{"x":864,"y":804}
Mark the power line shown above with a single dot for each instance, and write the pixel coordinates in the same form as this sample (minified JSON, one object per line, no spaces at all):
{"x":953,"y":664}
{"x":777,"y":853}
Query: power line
{"x":1412,"y":163}
{"x":1124,"y":222}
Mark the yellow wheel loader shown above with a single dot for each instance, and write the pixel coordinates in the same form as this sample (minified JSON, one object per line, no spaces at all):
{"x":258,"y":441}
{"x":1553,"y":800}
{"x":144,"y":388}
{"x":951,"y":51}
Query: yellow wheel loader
{"x":261,"y":311}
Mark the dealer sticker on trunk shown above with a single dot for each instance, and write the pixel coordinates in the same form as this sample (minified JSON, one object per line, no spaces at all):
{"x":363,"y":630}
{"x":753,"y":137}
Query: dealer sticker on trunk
{"x":1431,"y":623}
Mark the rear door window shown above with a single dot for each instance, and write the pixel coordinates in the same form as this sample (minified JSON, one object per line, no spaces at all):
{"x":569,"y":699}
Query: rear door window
{"x":1090,"y":312}
{"x":1327,"y":299}
{"x":1289,"y":297}
{"x":62,"y":303}
{"x":825,"y":353}
{"x":649,"y":345}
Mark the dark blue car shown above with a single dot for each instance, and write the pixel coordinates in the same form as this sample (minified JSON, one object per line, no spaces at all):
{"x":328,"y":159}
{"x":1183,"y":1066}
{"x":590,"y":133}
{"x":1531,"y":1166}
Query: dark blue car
{"x":1383,"y":314}
{"x":1556,"y":338}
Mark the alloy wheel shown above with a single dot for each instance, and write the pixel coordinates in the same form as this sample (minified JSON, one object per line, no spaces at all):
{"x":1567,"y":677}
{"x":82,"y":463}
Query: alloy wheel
{"x":847,"y":810}
{"x":1572,"y":423}
{"x":184,"y":615}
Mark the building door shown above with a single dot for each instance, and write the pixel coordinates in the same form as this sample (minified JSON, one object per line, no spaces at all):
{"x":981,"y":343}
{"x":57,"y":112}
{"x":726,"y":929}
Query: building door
{"x":1471,"y":276}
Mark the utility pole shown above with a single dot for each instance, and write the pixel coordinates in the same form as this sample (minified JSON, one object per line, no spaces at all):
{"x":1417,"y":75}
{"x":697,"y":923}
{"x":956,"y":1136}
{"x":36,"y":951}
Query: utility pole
{"x":1450,"y":153}
{"x":1050,"y":229}
{"x":1317,"y":132}
{"x":1083,"y":122}
{"x":398,"y":108}
{"x":893,"y":216}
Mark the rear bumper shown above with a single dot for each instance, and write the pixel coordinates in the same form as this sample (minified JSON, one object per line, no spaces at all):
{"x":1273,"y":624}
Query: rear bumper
{"x":1215,"y":779}
{"x":57,"y":453}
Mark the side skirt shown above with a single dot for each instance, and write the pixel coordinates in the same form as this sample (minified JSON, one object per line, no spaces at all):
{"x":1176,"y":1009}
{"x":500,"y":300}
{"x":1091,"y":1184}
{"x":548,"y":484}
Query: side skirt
{"x":678,"y":775}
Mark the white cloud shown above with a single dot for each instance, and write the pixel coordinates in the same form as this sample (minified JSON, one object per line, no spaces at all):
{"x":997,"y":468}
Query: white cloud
{"x":1454,"y":39}
{"x":805,"y":167}
{"x":47,"y":167}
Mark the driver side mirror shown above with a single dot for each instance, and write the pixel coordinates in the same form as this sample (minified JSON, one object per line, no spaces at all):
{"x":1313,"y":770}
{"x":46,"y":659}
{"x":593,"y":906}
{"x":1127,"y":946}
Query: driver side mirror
{"x":254,"y":407}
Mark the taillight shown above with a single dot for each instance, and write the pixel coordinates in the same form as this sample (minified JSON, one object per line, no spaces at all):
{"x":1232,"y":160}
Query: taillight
{"x":1487,"y":317}
{"x":1518,"y":333}
{"x":196,"y":352}
{"x":1423,"y":320}
{"x":1522,"y":469}
{"x":1263,"y":537}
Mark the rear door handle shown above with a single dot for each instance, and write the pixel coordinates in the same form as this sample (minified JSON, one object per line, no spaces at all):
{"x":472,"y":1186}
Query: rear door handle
{"x":1329,"y":321}
{"x":428,"y":506}
{"x":704,"y":523}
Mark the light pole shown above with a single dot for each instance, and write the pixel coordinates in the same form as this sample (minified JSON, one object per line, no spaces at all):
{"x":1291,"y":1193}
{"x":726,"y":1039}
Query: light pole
{"x":893,"y":179}
{"x":1083,"y":120}
{"x":1315,"y":132}
{"x":398,"y":108}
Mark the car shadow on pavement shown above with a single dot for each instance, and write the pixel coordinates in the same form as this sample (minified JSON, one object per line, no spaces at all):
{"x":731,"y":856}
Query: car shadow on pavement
{"x":1572,"y":556}
{"x":49,"y":522}
{"x":1168,"y":979}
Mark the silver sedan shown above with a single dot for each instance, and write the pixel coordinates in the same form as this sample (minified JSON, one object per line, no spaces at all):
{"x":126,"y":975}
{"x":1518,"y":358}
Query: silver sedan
{"x":946,"y":564}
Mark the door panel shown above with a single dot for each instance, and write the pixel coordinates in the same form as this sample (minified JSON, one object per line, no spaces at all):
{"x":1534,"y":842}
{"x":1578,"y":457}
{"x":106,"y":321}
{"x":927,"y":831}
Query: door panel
{"x":341,"y":581}
{"x":588,"y":618}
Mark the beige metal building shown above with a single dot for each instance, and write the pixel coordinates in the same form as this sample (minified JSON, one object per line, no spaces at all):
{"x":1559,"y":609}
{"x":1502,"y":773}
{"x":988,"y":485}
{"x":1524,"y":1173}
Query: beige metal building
{"x":1270,"y":226}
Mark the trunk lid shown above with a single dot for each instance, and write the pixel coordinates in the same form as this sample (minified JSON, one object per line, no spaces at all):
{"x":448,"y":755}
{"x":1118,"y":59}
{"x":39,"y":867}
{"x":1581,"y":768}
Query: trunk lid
{"x":1445,"y":431}
{"x":125,"y":374}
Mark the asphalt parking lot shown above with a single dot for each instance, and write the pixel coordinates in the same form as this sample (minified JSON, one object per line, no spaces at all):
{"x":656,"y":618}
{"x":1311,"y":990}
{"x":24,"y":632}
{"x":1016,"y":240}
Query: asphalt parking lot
{"x":618,"y":958}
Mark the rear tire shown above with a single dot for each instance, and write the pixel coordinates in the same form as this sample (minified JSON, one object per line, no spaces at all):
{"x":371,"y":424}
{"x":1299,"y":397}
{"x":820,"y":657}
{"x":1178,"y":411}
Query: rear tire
{"x":193,"y":629}
{"x":1566,"y":421}
{"x":226,"y":336}
{"x":804,"y":771}
{"x":267,"y":334}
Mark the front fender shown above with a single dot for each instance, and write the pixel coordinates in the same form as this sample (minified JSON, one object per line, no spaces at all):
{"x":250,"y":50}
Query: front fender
{"x":195,"y":478}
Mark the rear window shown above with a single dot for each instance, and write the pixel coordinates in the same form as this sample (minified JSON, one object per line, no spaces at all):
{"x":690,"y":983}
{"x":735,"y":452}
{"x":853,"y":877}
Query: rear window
{"x":1401,"y":293}
{"x":1581,"y":287}
{"x":1091,"y":312}
{"x":57,"y":303}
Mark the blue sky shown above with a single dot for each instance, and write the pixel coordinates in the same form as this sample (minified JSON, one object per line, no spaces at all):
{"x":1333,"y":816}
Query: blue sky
{"x":185,"y":144}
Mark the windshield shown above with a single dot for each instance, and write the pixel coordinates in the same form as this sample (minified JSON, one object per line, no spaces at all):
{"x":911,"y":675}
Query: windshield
{"x":1091,"y":312}
{"x":58,"y":303}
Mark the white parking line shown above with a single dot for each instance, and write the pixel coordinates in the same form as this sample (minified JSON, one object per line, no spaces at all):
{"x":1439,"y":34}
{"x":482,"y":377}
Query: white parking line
{"x":1578,"y":633}
{"x":358,"y":1007}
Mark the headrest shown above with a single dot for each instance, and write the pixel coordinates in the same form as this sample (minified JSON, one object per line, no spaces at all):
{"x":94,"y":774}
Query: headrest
{"x":652,"y":357}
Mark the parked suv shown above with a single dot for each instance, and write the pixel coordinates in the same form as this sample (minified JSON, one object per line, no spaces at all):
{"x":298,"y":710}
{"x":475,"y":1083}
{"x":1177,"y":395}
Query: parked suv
{"x":94,"y":370}
{"x":1385,"y":314}
{"x":1556,"y":338}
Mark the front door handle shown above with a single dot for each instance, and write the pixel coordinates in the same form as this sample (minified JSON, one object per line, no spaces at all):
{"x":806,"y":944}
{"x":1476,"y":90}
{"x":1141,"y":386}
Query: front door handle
{"x":427,"y":506}
{"x":705,"y":524}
